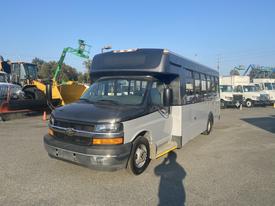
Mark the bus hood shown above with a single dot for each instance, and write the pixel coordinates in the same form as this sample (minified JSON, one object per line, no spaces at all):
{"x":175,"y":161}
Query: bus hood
{"x":97,"y":113}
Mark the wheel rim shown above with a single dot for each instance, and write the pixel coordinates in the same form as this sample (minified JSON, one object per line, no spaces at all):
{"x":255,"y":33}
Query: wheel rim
{"x":140,"y":155}
{"x":248,"y":104}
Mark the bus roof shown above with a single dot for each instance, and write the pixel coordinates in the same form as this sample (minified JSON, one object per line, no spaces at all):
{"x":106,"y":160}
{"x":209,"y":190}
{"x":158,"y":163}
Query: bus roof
{"x":150,"y":61}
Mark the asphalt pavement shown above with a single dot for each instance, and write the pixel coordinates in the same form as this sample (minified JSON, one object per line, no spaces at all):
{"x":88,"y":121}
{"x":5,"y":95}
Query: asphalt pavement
{"x":234,"y":165}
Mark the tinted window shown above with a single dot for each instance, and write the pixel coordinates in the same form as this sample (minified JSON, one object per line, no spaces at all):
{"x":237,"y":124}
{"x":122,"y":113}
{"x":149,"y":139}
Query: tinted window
{"x":208,"y":83}
{"x":197,"y":83}
{"x":140,"y":59}
{"x":156,"y":94}
{"x":213,"y":86}
{"x":189,"y":82}
{"x":203,"y":83}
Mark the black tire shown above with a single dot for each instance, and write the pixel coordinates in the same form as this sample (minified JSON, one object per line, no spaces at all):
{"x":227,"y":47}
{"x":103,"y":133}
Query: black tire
{"x":34,"y":93}
{"x":139,"y":144}
{"x":209,"y":126}
{"x":248,"y":103}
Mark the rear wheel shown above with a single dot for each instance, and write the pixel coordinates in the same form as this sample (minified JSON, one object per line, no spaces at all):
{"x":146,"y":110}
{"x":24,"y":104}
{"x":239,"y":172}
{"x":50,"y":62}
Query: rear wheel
{"x":34,"y":93}
{"x":139,"y":157}
{"x":208,"y":126}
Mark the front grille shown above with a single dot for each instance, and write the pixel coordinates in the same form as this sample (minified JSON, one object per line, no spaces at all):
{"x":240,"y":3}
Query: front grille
{"x":73,"y":139}
{"x":77,"y":126}
{"x":264,"y":97}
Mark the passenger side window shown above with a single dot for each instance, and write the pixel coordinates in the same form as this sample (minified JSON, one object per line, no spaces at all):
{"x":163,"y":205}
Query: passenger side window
{"x":189,"y":87}
{"x":197,"y":83}
{"x":213,"y":87}
{"x":156,"y":94}
{"x":208,"y":83}
{"x":203,"y":84}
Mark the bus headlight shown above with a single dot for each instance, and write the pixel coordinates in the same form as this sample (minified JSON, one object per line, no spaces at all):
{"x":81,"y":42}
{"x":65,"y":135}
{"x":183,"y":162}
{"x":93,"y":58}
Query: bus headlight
{"x":109,"y":128}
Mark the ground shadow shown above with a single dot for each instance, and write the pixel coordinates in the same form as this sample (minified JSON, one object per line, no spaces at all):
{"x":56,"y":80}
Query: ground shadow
{"x":171,"y":189}
{"x":266,"y":123}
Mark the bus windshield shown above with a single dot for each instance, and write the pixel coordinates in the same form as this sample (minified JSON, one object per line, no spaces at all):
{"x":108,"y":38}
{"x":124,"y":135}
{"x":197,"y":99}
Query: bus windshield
{"x":121,"y":91}
{"x":226,"y":88}
{"x":249,"y":89}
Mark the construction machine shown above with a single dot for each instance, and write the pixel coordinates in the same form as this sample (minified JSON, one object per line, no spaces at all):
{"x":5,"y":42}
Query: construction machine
{"x":67,"y":92}
{"x":25,"y":74}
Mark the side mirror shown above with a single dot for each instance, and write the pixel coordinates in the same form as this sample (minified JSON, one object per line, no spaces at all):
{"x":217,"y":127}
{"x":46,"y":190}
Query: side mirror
{"x":167,"y":97}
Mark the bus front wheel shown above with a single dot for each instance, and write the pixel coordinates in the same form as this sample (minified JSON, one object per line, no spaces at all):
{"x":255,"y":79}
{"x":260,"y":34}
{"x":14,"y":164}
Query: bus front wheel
{"x":139,"y":157}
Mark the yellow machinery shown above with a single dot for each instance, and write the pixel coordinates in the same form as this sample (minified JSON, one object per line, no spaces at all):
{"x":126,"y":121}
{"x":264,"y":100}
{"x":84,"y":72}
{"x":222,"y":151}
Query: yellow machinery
{"x":63,"y":93}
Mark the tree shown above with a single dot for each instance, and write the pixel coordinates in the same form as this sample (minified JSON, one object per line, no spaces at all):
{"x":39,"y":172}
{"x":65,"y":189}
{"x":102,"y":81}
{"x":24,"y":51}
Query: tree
{"x":46,"y":70}
{"x":88,"y":64}
{"x":86,"y":75}
{"x":234,"y":72}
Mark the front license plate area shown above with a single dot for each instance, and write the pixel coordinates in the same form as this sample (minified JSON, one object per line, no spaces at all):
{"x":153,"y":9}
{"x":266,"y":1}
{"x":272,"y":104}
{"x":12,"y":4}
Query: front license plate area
{"x":67,"y":155}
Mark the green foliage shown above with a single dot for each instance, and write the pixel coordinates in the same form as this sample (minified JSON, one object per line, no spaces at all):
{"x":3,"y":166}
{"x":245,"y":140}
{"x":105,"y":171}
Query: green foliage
{"x":46,"y":71}
{"x":234,"y":72}
{"x":88,"y":64}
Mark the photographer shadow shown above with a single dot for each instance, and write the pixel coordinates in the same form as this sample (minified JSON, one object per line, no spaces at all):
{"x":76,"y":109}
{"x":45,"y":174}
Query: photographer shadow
{"x":171,"y":189}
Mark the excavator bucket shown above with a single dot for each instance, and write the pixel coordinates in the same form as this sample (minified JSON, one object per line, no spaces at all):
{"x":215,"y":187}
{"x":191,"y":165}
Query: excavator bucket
{"x":71,"y":91}
{"x":65,"y":93}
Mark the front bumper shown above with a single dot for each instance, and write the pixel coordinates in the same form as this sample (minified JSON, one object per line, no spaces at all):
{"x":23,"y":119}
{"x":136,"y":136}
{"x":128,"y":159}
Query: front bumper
{"x":261,"y":102}
{"x":107,"y":157}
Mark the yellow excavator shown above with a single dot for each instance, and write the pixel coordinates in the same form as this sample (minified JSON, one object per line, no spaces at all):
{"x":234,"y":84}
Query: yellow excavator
{"x":63,"y":93}
{"x":66,"y":92}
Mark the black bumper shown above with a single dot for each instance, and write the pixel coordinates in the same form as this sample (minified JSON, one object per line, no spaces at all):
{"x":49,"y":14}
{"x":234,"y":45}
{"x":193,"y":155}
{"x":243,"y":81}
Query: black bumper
{"x":107,"y":157}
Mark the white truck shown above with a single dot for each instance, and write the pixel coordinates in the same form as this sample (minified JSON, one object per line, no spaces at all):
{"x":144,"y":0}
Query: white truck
{"x":242,"y":86}
{"x":267,"y":86}
{"x":227,"y":96}
{"x":251,"y":95}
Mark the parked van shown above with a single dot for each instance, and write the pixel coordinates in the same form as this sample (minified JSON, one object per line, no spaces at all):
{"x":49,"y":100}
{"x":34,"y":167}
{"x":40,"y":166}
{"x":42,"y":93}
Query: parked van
{"x":252,"y":95}
{"x":142,"y":104}
{"x":267,"y":86}
{"x":226,"y":96}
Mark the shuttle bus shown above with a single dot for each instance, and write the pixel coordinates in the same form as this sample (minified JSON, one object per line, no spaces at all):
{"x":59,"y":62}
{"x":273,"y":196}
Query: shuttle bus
{"x":141,"y":104}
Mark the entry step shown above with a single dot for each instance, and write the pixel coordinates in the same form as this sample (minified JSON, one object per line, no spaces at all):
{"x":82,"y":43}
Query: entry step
{"x":165,"y":148}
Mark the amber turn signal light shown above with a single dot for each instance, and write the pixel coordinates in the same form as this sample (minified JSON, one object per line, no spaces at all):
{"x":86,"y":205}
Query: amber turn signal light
{"x":50,"y":132}
{"x":100,"y":141}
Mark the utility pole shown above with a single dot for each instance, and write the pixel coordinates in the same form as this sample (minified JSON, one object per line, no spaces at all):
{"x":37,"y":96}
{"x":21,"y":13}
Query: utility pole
{"x":218,"y":62}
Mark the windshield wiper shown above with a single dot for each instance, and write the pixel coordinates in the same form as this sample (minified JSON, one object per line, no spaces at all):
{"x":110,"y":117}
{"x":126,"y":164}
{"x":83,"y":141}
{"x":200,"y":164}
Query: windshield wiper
{"x":107,"y":101}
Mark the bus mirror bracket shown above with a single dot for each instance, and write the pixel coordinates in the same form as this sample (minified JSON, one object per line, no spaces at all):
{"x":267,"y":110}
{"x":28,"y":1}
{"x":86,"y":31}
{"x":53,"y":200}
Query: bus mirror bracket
{"x":167,"y":97}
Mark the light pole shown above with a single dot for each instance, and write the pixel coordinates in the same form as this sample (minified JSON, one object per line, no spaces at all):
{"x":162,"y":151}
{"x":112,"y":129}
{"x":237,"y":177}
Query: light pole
{"x":107,"y":47}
